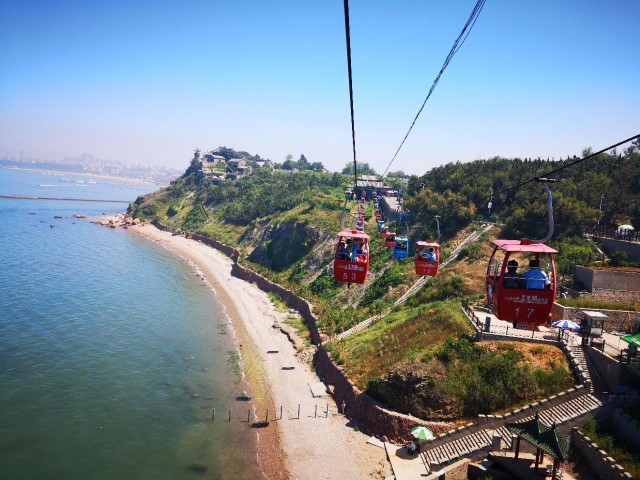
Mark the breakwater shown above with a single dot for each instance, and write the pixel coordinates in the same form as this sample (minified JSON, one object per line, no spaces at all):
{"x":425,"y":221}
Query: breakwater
{"x":29,"y":197}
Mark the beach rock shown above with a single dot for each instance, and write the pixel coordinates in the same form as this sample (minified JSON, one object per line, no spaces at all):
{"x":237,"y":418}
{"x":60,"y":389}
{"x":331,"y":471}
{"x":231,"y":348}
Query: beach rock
{"x":198,"y":467}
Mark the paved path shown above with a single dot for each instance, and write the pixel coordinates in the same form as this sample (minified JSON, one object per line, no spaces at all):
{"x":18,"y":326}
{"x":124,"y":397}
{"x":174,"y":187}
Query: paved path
{"x":405,"y":466}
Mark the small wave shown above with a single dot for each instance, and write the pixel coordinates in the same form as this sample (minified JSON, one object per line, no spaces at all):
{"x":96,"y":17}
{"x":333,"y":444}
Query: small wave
{"x":46,"y":185}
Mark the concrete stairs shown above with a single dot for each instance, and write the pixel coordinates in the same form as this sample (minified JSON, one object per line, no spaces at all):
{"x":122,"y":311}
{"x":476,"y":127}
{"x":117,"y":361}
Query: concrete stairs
{"x":588,"y":370}
{"x":477,"y":440}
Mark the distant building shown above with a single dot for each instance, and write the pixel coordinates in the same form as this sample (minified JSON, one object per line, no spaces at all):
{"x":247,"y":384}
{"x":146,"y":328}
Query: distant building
{"x":266,"y":164}
{"x":371,"y":183}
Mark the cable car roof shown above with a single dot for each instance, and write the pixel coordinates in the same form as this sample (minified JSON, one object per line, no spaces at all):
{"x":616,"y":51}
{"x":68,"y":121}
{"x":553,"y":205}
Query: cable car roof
{"x":402,"y":239}
{"x":427,"y":244}
{"x":518,"y":246}
{"x":353,"y":234}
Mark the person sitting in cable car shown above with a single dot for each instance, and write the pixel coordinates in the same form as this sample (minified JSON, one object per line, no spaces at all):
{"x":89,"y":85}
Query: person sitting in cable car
{"x":512,"y":279}
{"x":343,"y":251}
{"x":535,"y":278}
{"x":429,"y":255}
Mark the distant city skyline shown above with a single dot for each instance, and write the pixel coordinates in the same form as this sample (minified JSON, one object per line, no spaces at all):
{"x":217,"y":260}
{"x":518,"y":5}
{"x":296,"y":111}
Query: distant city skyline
{"x":147,"y":83}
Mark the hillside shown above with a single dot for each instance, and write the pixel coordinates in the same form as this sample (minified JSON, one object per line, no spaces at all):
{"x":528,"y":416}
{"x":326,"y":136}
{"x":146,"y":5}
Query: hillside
{"x":285,"y":223}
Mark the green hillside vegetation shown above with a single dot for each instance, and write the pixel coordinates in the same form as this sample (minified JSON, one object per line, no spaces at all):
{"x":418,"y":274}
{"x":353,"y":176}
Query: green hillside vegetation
{"x":285,"y":223}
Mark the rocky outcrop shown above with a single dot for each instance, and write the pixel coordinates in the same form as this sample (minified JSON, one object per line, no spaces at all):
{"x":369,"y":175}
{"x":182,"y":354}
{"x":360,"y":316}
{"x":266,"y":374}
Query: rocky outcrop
{"x":124,"y":220}
{"x":279,"y":246}
{"x":417,"y":388}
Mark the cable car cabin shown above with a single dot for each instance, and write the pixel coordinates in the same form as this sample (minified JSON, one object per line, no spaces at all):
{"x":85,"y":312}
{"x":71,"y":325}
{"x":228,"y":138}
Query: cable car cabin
{"x":401,"y":248}
{"x":427,"y":259}
{"x":360,"y":225}
{"x":383,"y":232}
{"x":390,"y":239}
{"x":380,"y":225}
{"x":518,"y":289}
{"x":351,"y":262}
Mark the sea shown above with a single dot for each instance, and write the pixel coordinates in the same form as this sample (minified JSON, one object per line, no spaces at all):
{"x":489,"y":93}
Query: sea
{"x":113,"y":352}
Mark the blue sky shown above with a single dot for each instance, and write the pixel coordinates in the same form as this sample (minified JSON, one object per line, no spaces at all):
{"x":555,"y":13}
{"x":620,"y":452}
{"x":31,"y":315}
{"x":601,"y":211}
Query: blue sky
{"x":148,"y":82}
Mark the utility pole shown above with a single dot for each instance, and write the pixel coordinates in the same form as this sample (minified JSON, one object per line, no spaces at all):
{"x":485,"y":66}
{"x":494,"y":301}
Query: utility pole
{"x":490,"y":201}
{"x":598,"y":224}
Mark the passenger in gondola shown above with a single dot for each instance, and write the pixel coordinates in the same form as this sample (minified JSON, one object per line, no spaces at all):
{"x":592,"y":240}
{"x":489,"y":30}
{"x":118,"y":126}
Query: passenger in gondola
{"x":354,"y":252}
{"x":535,"y":278}
{"x":343,"y":251}
{"x":430,"y":255}
{"x":512,"y":279}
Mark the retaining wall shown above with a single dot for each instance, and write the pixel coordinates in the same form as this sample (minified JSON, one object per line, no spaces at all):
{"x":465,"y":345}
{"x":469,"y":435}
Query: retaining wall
{"x":608,"y":368}
{"x":595,"y":279}
{"x":599,"y":460}
{"x":610,"y":245}
{"x":625,"y":427}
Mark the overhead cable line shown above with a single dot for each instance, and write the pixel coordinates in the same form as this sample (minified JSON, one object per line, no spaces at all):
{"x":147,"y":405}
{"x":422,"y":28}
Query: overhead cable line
{"x":353,"y":129}
{"x":548,"y":174}
{"x":456,"y":46}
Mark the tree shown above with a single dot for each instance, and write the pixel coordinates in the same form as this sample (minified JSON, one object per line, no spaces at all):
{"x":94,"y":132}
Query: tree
{"x":363,"y":169}
{"x":303,"y":163}
{"x":317,"y":167}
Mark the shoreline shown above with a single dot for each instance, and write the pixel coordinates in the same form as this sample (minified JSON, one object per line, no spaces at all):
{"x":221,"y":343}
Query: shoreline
{"x":306,"y":446}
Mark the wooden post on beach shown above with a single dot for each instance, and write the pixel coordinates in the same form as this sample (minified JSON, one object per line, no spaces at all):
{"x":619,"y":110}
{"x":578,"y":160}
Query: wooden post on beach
{"x":248,"y":415}
{"x":213,"y":414}
{"x":229,"y":415}
{"x":298,"y":412}
{"x":326,"y":414}
{"x":267,"y":417}
{"x":280,"y":412}
{"x":315,"y":415}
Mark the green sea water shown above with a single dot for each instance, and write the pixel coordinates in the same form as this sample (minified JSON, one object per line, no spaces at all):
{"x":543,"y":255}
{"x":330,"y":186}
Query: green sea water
{"x":113,"y":353}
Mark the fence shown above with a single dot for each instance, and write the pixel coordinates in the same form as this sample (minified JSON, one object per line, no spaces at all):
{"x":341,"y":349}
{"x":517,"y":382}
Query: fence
{"x":254,"y":414}
{"x":629,"y":236}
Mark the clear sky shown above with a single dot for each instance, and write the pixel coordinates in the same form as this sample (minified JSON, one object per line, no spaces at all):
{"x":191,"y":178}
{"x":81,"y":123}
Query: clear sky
{"x":149,"y":81}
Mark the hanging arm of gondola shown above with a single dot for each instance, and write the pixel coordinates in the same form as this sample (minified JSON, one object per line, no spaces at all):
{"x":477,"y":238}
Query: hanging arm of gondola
{"x":545,"y":183}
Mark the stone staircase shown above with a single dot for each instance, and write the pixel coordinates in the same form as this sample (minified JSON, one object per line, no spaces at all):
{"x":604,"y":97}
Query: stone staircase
{"x":576,"y":352}
{"x":496,"y":436}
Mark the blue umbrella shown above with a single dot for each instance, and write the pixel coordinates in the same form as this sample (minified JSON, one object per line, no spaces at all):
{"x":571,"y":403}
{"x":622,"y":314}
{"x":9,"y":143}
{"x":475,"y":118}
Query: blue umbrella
{"x":566,"y":324}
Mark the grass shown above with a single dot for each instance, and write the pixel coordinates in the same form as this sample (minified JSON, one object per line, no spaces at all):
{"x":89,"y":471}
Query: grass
{"x":373,"y":351}
{"x":597,"y":304}
{"x":298,"y":323}
{"x":278,"y":302}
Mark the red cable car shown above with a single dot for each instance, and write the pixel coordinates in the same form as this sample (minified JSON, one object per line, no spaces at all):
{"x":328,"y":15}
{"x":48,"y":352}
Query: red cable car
{"x":427,"y":259}
{"x":351,"y":261}
{"x":383,"y":231}
{"x":521,"y":298}
{"x":526,"y":299}
{"x":390,"y":239}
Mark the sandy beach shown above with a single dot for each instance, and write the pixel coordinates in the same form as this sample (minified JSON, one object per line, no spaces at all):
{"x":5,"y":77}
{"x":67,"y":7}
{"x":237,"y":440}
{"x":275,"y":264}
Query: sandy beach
{"x":315,"y":445}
